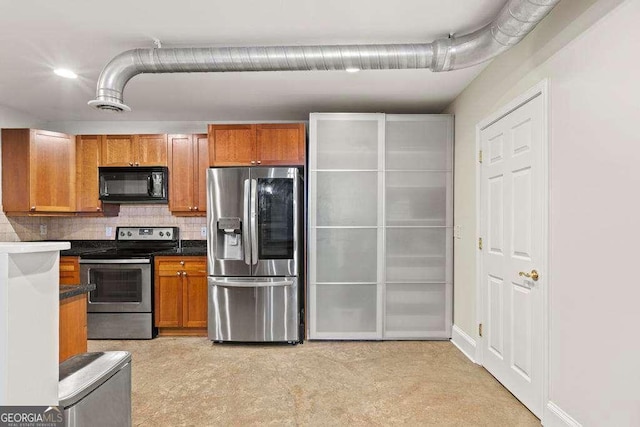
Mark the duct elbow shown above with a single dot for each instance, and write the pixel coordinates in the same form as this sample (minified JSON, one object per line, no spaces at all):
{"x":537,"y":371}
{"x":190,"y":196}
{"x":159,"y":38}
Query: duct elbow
{"x":113,"y":79}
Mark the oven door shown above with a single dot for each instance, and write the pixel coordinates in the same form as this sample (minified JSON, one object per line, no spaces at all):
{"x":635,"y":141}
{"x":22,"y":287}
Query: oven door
{"x":121,"y":285}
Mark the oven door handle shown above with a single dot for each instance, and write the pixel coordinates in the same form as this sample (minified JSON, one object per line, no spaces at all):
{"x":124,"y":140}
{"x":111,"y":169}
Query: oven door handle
{"x":115,"y":261}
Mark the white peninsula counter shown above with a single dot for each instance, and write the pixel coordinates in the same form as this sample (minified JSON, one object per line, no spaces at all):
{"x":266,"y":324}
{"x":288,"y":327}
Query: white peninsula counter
{"x":29,"y":300}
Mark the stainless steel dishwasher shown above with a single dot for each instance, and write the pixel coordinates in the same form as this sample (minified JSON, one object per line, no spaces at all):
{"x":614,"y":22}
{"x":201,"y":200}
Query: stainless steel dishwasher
{"x":95,"y":389}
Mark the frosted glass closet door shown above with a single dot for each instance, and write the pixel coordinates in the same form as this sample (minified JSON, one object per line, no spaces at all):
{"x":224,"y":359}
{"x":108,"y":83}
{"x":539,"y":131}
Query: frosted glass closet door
{"x":418,"y":227}
{"x":345,"y":226}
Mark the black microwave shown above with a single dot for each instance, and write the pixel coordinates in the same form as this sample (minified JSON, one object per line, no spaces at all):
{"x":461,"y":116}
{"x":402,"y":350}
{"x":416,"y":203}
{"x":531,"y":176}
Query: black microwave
{"x":139,"y":184}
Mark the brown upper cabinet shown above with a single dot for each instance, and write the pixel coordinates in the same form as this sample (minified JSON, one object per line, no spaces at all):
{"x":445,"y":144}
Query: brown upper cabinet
{"x":87,"y":195}
{"x":188,"y":163}
{"x":257,"y":144}
{"x":134,"y":150}
{"x":38,"y":172}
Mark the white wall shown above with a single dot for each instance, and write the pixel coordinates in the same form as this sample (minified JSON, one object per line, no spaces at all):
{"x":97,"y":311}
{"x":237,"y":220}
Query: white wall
{"x":591,"y":60}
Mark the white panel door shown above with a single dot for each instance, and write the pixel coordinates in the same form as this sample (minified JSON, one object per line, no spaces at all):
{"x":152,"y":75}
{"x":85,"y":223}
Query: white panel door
{"x":513,"y":209}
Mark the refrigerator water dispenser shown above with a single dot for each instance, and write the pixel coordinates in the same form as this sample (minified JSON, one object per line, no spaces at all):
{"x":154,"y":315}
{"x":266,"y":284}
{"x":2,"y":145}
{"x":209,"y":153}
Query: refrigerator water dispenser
{"x":229,"y":242}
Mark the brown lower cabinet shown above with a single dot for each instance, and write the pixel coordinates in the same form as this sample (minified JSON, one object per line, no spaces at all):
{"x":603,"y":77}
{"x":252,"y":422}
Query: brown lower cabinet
{"x":73,"y":312}
{"x":181,"y":295}
{"x":73,"y":327}
{"x":69,"y":270}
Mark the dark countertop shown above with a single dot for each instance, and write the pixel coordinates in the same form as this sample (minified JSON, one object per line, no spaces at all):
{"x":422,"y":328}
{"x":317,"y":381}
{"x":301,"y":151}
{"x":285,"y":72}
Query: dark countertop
{"x":190,"y":251}
{"x":68,"y":291}
{"x":87,"y":247}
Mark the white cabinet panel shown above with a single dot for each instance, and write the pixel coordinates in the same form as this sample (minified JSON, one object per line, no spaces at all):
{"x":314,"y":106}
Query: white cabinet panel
{"x":416,"y":310}
{"x":416,"y":254}
{"x":418,"y":142}
{"x":347,"y":198}
{"x":346,"y":255}
{"x":417,"y":198}
{"x":344,"y":143}
{"x":346,"y":308}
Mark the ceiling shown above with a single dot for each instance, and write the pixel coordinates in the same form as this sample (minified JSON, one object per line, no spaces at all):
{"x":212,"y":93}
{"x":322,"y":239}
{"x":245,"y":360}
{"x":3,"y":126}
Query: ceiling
{"x":40,"y":35}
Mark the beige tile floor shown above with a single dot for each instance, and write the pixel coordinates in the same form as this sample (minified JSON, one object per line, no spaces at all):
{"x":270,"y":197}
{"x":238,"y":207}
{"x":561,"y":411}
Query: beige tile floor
{"x":191,"y":382}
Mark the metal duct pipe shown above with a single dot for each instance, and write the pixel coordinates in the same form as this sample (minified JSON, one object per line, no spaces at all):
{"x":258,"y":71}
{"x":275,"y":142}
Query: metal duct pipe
{"x":514,"y":21}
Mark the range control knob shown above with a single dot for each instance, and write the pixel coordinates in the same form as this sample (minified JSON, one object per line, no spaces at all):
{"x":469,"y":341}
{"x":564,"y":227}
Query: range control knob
{"x":129,"y":233}
{"x":168,"y":234}
{"x":122,"y":233}
{"x":161,"y":234}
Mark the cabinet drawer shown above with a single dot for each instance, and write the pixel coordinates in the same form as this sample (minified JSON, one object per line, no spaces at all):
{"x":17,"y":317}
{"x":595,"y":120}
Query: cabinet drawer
{"x":170,"y":265}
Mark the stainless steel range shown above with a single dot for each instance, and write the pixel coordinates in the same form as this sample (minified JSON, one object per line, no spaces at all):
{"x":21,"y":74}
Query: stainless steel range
{"x":121,"y":306}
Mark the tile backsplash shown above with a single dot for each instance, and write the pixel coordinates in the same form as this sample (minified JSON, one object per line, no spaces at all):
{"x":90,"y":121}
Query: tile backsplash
{"x":80,"y":228}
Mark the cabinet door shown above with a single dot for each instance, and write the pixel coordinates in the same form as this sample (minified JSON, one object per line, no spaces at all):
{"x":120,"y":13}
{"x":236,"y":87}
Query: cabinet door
{"x":281,"y":144}
{"x":346,"y":219}
{"x":69,"y":270}
{"x":232,"y":145}
{"x":72,"y":327}
{"x":117,"y":150}
{"x":194,"y":299}
{"x":52,"y":172}
{"x":87,"y":161}
{"x":181,"y":166}
{"x":168,"y":297}
{"x":201,"y":143}
{"x":150,"y":150}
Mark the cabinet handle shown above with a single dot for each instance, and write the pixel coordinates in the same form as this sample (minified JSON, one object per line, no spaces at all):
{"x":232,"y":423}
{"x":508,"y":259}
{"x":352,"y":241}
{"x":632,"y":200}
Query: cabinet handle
{"x":253,"y":162}
{"x":259,"y":162}
{"x":184,"y":273}
{"x":137,"y":164}
{"x":33,"y":208}
{"x":178,"y":273}
{"x":181,"y":262}
{"x":195,"y":208}
{"x":130,"y":163}
{"x":190,"y":208}
{"x":98,"y":208}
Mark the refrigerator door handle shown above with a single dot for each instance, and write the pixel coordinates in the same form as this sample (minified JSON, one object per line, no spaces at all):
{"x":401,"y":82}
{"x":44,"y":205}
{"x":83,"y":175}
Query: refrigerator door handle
{"x":245,"y":223}
{"x":226,"y":283}
{"x":254,"y":221}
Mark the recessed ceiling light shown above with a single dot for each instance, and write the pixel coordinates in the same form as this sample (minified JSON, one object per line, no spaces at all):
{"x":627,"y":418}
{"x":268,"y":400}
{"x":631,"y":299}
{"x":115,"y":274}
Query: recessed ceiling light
{"x":66,"y":73}
{"x":352,"y":69}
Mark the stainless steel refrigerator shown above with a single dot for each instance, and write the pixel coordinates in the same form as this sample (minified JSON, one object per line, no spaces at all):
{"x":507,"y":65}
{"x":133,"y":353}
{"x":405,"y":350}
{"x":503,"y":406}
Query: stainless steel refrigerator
{"x":254,"y":252}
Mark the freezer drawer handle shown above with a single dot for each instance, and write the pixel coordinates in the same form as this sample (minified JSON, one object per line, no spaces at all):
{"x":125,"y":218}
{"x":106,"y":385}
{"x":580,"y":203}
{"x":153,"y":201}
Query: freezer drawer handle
{"x":227,"y":284}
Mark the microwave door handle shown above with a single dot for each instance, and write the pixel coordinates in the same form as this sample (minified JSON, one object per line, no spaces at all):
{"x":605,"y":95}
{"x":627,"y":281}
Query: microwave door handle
{"x":103,"y":187}
{"x":245,"y":223}
{"x":149,"y":189}
{"x":254,"y":221}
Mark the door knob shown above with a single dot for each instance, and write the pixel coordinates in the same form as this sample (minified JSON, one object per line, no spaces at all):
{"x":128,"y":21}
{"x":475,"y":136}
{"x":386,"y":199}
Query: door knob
{"x":533,"y":275}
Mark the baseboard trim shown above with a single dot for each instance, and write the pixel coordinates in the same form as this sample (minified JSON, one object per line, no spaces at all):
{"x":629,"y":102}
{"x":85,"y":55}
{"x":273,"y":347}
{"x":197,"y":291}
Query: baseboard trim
{"x":464,"y":342}
{"x":555,"y":416}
